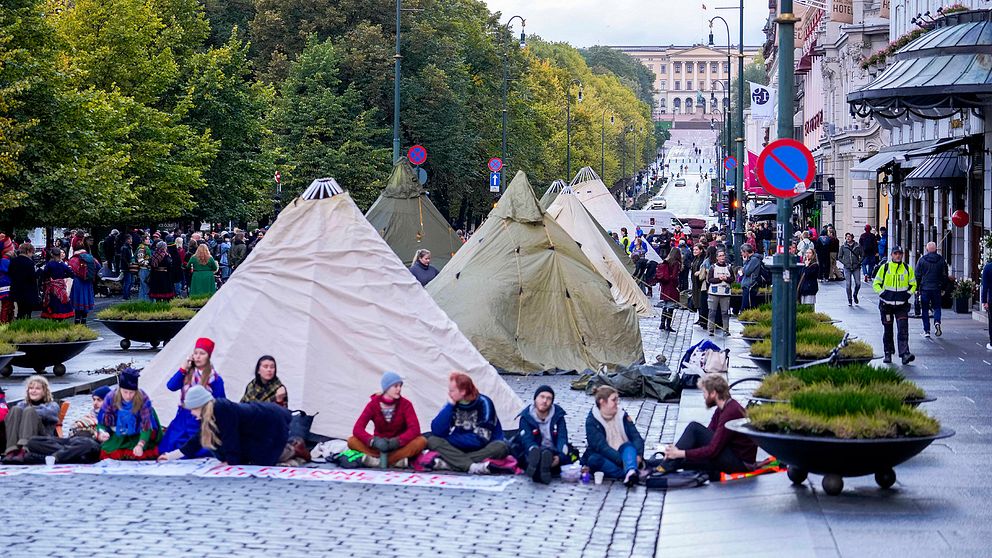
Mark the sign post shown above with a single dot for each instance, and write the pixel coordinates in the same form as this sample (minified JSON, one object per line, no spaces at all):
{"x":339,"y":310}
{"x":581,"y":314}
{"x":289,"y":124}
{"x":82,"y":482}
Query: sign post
{"x":495,"y":182}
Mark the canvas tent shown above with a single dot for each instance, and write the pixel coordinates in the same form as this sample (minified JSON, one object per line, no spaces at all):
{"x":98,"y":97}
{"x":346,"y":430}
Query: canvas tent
{"x":325,"y":296}
{"x":594,"y":195}
{"x":524,"y":293}
{"x":568,"y":212}
{"x":408,"y":221}
{"x":551,"y":193}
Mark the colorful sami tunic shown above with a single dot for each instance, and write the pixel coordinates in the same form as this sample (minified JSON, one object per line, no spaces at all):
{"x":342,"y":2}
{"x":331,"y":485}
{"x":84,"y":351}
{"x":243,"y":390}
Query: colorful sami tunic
{"x":126,"y":429}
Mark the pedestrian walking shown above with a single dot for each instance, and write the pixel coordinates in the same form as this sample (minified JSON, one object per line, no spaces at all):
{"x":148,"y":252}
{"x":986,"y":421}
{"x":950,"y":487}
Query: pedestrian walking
{"x":720,"y":278}
{"x":85,"y":269}
{"x":751,"y":275}
{"x":851,"y":258}
{"x":895,"y":283}
{"x":869,"y":248}
{"x":160,"y":285}
{"x":24,"y":281}
{"x":833,"y":252}
{"x":667,"y":274}
{"x":931,"y":277}
{"x":986,"y":296}
{"x":203,"y":268}
{"x":128,"y":266}
{"x":807,"y":287}
{"x":822,"y":249}
{"x":55,"y":303}
{"x":143,"y":256}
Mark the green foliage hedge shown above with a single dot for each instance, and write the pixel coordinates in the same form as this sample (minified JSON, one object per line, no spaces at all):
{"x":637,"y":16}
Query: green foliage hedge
{"x":145,"y":311}
{"x":6,"y":348}
{"x":194,"y":302}
{"x":44,"y":331}
{"x":808,"y":351}
{"x":883,"y":380}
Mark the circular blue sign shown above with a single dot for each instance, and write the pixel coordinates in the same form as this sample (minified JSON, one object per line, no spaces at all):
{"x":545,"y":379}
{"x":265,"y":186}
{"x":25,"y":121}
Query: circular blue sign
{"x":730,"y":163}
{"x":786,"y":168}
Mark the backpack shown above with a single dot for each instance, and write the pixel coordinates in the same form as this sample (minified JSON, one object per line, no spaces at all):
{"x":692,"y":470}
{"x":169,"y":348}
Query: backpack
{"x":717,"y":362}
{"x":676,"y":479}
{"x":78,"y":267}
{"x":764,"y":276}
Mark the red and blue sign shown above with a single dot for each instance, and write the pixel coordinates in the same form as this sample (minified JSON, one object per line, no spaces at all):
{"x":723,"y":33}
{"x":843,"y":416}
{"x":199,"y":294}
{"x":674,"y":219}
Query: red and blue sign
{"x":417,"y":155}
{"x":495,"y":164}
{"x":786,"y":168}
{"x":730,"y":163}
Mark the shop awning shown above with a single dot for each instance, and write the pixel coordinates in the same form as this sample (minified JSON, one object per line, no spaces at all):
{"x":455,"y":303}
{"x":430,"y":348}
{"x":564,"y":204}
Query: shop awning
{"x":903,"y":154}
{"x":769,"y":210}
{"x":938,"y":170}
{"x":942,"y":72}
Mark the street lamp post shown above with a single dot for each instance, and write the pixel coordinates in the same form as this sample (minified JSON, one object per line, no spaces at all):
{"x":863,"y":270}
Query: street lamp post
{"x":506,"y":85}
{"x":602,"y":145}
{"x":738,"y":217}
{"x":568,"y":125}
{"x":397,"y":58}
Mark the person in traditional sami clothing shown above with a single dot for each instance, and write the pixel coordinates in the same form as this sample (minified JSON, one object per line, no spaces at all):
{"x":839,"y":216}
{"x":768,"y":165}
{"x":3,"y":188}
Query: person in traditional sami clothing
{"x":127,"y":424}
{"x":55,"y":304}
{"x":198,"y":370}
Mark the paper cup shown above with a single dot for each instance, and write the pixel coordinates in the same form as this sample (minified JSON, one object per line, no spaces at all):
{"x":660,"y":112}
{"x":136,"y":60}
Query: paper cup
{"x":598,"y":476}
{"x":49,"y":460}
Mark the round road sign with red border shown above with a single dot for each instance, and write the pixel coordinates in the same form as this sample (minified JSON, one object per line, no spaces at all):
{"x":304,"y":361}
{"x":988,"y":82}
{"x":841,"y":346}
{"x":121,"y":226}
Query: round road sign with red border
{"x":495,"y":164}
{"x":786,"y":168}
{"x":417,"y":155}
{"x":730,"y":163}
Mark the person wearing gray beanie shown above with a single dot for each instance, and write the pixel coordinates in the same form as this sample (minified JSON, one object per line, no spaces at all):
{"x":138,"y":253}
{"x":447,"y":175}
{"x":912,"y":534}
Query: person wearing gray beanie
{"x":196,"y":397}
{"x":389,"y":379}
{"x":395,"y":427}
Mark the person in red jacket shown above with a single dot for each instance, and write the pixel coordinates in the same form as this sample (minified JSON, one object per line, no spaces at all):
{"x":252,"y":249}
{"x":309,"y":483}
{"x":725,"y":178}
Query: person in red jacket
{"x":667,"y":275}
{"x":714,"y":449}
{"x":396,"y":429}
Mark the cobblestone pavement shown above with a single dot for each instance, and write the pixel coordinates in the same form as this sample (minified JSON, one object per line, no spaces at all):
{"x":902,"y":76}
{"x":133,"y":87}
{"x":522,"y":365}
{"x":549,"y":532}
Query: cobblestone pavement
{"x":135,"y":516}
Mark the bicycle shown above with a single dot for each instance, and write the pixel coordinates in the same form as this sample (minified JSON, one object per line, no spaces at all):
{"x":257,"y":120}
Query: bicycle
{"x":830,"y":360}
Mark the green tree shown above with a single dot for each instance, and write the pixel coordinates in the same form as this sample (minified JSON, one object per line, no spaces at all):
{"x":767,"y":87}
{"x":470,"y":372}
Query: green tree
{"x":633,"y":74}
{"x":755,"y":71}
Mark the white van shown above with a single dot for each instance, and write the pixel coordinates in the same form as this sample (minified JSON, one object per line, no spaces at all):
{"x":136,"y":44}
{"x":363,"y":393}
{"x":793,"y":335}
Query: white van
{"x":654,"y":219}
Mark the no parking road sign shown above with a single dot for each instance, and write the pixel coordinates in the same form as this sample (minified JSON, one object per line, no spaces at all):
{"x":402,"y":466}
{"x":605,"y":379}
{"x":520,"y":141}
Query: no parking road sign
{"x":786,"y":168}
{"x":730,"y":163}
{"x":495,"y":164}
{"x":417,"y":155}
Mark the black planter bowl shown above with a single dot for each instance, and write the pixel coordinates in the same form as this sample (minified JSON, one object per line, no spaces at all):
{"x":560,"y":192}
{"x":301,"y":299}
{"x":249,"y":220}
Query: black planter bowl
{"x":156,"y":332}
{"x":835,"y":458}
{"x":40,"y":356}
{"x":5,"y":362}
{"x":910,"y":402}
{"x":765,"y":363}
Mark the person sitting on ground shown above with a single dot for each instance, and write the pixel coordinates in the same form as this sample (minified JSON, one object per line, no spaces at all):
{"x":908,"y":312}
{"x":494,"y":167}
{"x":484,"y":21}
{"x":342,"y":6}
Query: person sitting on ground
{"x":87,"y":425}
{"x":542,"y":445}
{"x":198,"y":370}
{"x":713,"y":448}
{"x":395,"y":427}
{"x":422,"y":269}
{"x":239,"y":433}
{"x":467,"y":434}
{"x":128,"y":426}
{"x":80,"y":447}
{"x":615,"y":445}
{"x":266,"y":387}
{"x":36,"y":415}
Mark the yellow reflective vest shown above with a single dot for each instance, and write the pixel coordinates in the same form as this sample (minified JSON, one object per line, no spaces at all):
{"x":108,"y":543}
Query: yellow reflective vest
{"x":895,"y":283}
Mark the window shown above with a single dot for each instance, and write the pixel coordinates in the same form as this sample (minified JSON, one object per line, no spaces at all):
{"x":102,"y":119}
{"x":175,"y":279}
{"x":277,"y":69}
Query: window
{"x":664,"y":68}
{"x":689,"y":66}
{"x":663,"y":85}
{"x":702,"y":67}
{"x":688,"y":105}
{"x":702,"y":86}
{"x":726,"y":68}
{"x":676,"y":106}
{"x":678,"y":67}
{"x":678,"y":85}
{"x":714,"y":67}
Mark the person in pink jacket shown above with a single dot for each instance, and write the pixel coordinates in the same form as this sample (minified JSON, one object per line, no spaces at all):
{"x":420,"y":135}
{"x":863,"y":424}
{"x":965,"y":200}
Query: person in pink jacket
{"x":395,"y":431}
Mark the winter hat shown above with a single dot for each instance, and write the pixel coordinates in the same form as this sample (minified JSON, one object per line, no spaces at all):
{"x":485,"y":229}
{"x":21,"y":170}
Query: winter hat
{"x":196,"y":397}
{"x":129,"y":379}
{"x":867,"y":228}
{"x":389,"y":379}
{"x":545,"y":388}
{"x":101,"y":392}
{"x":206,"y":344}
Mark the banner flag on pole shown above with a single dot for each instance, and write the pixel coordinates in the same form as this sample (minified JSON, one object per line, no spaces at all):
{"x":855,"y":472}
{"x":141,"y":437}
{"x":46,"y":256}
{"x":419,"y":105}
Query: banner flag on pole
{"x":763,"y":101}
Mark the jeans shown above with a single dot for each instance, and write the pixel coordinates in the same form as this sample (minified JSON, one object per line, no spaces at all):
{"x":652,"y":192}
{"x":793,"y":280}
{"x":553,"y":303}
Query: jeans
{"x":126,"y":284}
{"x":900,"y":315}
{"x":748,"y":295}
{"x":850,"y":276}
{"x":930,"y":298}
{"x":719,"y":312}
{"x":698,"y":436}
{"x":766,"y":245}
{"x":833,"y":273}
{"x":143,"y":274}
{"x":460,"y":460}
{"x":868,"y":264}
{"x":611,"y":469}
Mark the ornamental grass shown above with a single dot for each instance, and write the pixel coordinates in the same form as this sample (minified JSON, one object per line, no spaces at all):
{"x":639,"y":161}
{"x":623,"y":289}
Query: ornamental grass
{"x":44,"y":331}
{"x":764,"y":315}
{"x":145,"y":311}
{"x":6,"y":348}
{"x":811,"y":332}
{"x":844,"y":412}
{"x":783,"y":385}
{"x":811,"y":351}
{"x":193,"y":302}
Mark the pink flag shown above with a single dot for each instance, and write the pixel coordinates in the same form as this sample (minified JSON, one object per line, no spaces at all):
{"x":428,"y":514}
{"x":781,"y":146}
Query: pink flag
{"x":751,"y":183}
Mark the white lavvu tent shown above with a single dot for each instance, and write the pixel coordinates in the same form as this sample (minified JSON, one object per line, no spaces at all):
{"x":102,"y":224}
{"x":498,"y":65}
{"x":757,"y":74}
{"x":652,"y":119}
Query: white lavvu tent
{"x":325,"y":295}
{"x":594,"y":195}
{"x":568,"y":212}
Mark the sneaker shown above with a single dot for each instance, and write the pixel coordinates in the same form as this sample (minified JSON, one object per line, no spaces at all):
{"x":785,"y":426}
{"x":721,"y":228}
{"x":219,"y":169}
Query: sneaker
{"x":908,"y":357}
{"x":478,"y":469}
{"x":631,"y":479}
{"x":533,"y":462}
{"x":544,"y":471}
{"x":925,"y":335}
{"x":370,"y":461}
{"x":936,"y":329}
{"x":887,"y":359}
{"x":441,"y":465}
{"x":988,"y":346}
{"x":856,"y":299}
{"x":849,"y":303}
{"x":402,"y":463}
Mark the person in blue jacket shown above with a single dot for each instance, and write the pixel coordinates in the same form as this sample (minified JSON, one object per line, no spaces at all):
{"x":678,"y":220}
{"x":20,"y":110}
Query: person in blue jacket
{"x":198,"y":370}
{"x":542,"y":445}
{"x":986,"y":296}
{"x":467,"y":434}
{"x":236,"y":433}
{"x":615,"y":445}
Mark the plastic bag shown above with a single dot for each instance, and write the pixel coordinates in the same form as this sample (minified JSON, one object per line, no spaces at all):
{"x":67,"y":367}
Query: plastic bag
{"x":571,"y":472}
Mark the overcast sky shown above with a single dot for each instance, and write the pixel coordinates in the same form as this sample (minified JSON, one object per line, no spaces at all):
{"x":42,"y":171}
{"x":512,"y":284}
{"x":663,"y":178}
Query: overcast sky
{"x":585,"y":23}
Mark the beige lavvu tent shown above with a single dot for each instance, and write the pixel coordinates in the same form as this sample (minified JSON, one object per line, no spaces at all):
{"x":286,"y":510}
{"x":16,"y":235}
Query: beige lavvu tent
{"x":551,"y":193}
{"x":524,"y":293}
{"x":568,"y":212}
{"x":408,"y":220}
{"x":594,"y":195}
{"x":325,"y":296}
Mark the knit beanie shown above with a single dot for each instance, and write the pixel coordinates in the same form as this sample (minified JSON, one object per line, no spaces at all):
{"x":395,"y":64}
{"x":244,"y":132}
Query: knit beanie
{"x":206,"y":344}
{"x":197,"y":396}
{"x":129,"y":379}
{"x":389,"y":379}
{"x":545,"y":388}
{"x":101,"y":392}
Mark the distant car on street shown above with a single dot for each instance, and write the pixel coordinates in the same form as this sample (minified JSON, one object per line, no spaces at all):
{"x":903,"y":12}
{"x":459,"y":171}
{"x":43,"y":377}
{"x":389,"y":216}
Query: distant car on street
{"x":658,"y":203}
{"x":679,"y":182}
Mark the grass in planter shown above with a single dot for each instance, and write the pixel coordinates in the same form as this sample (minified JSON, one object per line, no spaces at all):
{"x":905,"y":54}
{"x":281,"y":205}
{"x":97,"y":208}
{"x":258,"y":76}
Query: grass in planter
{"x":846,"y":412}
{"x":6,"y":348}
{"x":194,"y":302}
{"x":45,"y":331}
{"x":856,"y":349}
{"x":783,"y":384}
{"x":762,"y":314}
{"x":814,"y":329}
{"x":143,"y":310}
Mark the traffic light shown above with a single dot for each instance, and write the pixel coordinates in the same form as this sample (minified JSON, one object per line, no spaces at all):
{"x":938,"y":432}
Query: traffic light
{"x":732,"y":202}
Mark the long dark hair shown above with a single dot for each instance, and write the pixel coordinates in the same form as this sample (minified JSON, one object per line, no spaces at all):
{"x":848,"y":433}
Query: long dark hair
{"x":258,"y":366}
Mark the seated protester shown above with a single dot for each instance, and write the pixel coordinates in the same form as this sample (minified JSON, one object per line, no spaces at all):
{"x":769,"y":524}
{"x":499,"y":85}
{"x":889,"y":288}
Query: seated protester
{"x":266,"y":387}
{"x":466,"y":433}
{"x":238,"y":433}
{"x":542,"y":444}
{"x":128,"y":426}
{"x":80,"y":447}
{"x":37,"y":415}
{"x":198,"y":370}
{"x":714,"y":449}
{"x":615,"y":445}
{"x":396,"y":429}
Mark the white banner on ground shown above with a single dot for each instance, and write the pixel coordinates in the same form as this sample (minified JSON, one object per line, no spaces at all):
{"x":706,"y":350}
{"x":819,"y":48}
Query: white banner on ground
{"x":180,"y":468}
{"x":763,"y":101}
{"x":368,"y":476}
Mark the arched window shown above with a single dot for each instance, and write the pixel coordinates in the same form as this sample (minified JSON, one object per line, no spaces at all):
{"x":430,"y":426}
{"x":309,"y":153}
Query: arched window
{"x":688,"y":106}
{"x":713,"y":105}
{"x":676,"y":105}
{"x":726,"y":103}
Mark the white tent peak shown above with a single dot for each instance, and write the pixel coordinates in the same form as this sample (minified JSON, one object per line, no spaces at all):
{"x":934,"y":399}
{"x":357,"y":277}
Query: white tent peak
{"x":322,"y":188}
{"x":585,"y":174}
{"x":596,"y":197}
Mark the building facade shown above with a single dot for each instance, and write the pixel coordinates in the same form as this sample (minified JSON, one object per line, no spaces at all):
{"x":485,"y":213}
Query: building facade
{"x":690,"y":81}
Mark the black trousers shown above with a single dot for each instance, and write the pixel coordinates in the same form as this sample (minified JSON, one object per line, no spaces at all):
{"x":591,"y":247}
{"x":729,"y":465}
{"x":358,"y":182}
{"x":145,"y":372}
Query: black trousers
{"x":898,"y":315}
{"x":76,"y":449}
{"x":697,"y":436}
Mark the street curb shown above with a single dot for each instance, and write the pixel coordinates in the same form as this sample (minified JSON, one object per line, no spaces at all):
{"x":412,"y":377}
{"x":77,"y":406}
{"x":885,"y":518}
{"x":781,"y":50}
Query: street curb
{"x":85,"y":387}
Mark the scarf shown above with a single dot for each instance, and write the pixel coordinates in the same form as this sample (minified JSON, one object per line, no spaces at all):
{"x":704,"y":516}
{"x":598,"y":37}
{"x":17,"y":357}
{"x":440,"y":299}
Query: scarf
{"x":197,"y":376}
{"x":544,"y":426}
{"x":123,"y":419}
{"x":53,"y":287}
{"x":127,"y":423}
{"x":262,"y":392}
{"x":388,"y":408}
{"x":616,"y":436}
{"x":159,"y":255}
